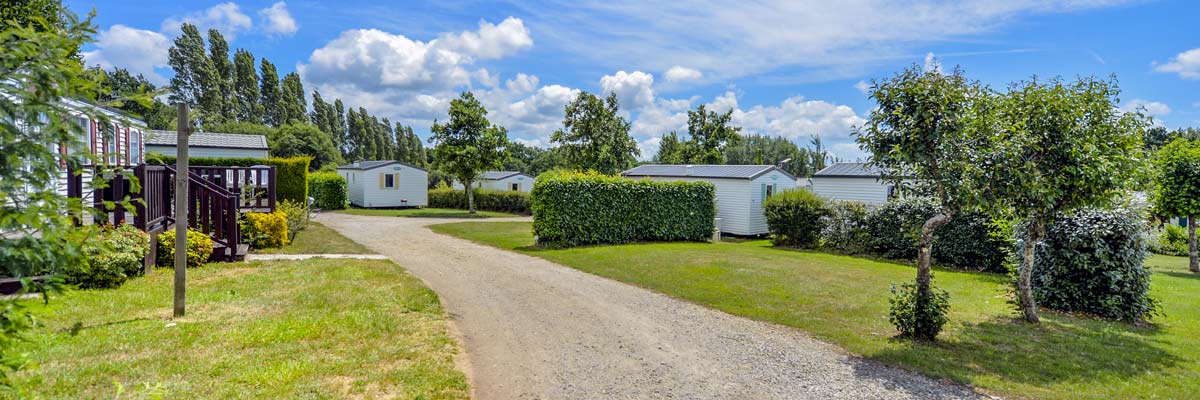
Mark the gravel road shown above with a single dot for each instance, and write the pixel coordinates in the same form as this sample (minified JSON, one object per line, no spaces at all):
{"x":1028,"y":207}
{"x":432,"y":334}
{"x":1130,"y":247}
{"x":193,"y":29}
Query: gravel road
{"x":534,"y":329}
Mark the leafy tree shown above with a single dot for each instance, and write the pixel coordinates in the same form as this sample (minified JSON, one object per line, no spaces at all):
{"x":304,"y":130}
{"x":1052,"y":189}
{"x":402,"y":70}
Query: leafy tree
{"x":670,"y":150}
{"x":594,"y":137}
{"x":193,"y":71}
{"x":339,"y":123}
{"x":1060,"y":146}
{"x":245,"y":88}
{"x":118,"y":85}
{"x":219,"y":92}
{"x":320,"y":113}
{"x":39,"y":15}
{"x":270,"y":94}
{"x":771,"y":150}
{"x":919,"y":136}
{"x":1177,"y":187}
{"x":1156,"y":137}
{"x":467,"y":144}
{"x":294,"y":105}
{"x":710,"y":132}
{"x":298,"y":139}
{"x":242,"y":128}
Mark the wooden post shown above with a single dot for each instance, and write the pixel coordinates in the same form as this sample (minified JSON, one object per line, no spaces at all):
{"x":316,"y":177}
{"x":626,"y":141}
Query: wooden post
{"x":184,"y":127}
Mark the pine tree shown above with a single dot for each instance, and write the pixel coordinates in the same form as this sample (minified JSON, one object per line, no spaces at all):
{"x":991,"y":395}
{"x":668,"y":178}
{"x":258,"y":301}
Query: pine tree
{"x":191,"y":65}
{"x":319,"y":115}
{"x":271,"y":97}
{"x":245,"y":84}
{"x":293,"y":99}
{"x":219,"y":97}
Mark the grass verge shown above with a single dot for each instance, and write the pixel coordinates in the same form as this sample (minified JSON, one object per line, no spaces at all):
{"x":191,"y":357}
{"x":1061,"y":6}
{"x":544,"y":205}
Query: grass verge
{"x":294,"y":329}
{"x":843,"y":300}
{"x":319,"y":239}
{"x":425,"y":213}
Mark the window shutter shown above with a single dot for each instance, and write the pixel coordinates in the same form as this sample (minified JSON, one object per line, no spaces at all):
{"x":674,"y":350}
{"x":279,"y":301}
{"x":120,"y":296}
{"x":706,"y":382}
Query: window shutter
{"x":381,"y":178}
{"x":762,"y":195}
{"x":396,"y":180}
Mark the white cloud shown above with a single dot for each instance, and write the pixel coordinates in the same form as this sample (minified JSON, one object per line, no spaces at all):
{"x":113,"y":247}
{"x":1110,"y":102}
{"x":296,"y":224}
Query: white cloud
{"x":225,"y":17}
{"x":679,"y":74}
{"x":276,"y":20}
{"x":862,"y":86}
{"x":1186,"y":64}
{"x":137,"y":50}
{"x":932,"y":63}
{"x":1152,"y":108}
{"x":491,"y":41}
{"x":634,"y":89}
{"x":486,"y":78}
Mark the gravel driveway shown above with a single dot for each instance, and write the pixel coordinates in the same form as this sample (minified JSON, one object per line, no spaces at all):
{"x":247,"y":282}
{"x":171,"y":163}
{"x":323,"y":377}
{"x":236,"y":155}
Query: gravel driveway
{"x":534,"y":329}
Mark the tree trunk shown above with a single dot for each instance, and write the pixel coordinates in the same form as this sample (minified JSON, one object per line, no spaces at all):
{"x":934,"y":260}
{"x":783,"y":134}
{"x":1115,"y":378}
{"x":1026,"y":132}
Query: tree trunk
{"x":1193,"y":257}
{"x":924,"y":255}
{"x":1025,"y":274}
{"x":470,"y":197}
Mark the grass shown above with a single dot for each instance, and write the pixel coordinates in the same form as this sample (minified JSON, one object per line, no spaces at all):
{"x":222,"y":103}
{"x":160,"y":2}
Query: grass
{"x":306,"y":329}
{"x":843,"y":300}
{"x":425,"y":213}
{"x":319,"y":239}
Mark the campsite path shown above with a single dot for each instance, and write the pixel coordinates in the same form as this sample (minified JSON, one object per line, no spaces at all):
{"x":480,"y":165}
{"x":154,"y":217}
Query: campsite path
{"x":534,"y":329}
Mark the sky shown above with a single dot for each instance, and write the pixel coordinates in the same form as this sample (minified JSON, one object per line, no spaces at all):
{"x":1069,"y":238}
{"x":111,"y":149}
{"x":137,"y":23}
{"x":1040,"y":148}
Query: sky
{"x":798,"y":69}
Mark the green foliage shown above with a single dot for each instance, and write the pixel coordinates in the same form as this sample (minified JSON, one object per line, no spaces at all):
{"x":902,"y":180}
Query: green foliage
{"x":968,"y":241}
{"x":199,"y":248}
{"x":305,"y":140}
{"x":531,"y":160}
{"x":846,"y":228}
{"x":329,"y":190}
{"x":1092,"y":262}
{"x":575,"y":208}
{"x":915,"y":317}
{"x":293,"y":105}
{"x":26,"y":13}
{"x":265,"y":230}
{"x":796,"y":218}
{"x":195,"y":81}
{"x":594,"y":136}
{"x":291,"y":174}
{"x":245,"y":86}
{"x":894,"y":227}
{"x":468,"y":144}
{"x":1172,"y":240}
{"x":242,"y":128}
{"x":491,"y":200}
{"x":114,"y":255}
{"x":771,"y":150}
{"x":270,"y":94}
{"x":710,"y":132}
{"x":1177,"y":178}
{"x":297,"y":217}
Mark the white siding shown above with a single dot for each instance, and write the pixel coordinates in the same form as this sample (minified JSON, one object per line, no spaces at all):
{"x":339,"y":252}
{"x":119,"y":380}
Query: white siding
{"x":366,"y":190}
{"x":209,"y":152}
{"x":524,"y":182}
{"x":756,"y":221}
{"x":868,"y":190}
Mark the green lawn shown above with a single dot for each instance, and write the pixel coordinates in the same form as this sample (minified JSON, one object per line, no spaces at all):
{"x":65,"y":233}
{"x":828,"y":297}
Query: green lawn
{"x":843,"y":300}
{"x":425,"y":213}
{"x":319,"y":239}
{"x":307,"y":329}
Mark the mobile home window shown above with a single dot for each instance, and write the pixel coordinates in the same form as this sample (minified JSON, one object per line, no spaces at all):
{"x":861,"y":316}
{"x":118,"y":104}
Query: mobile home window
{"x":516,"y":187}
{"x":135,"y":144}
{"x":110,"y":136}
{"x":389,"y":181}
{"x":770,"y":191}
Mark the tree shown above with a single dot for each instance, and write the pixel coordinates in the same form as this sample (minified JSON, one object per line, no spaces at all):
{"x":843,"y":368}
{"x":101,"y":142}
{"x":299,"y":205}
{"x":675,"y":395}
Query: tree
{"x":295,"y":107}
{"x":1060,"y":146}
{"x":272,"y":109}
{"x":339,"y":126}
{"x":919,"y":137}
{"x":320,"y":113}
{"x":710,"y":132}
{"x":219,"y":94}
{"x":193,"y":71}
{"x":594,"y":137}
{"x":118,"y":87}
{"x":245,"y":88}
{"x":467,"y":144}
{"x":39,"y":15}
{"x":1177,"y":187}
{"x":755,"y":149}
{"x":670,"y":150}
{"x":300,"y":139}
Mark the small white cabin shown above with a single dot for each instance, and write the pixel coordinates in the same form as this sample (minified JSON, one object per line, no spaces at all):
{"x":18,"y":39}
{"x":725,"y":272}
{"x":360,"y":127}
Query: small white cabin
{"x":502,"y":180}
{"x":385,"y":184}
{"x":741,"y":190}
{"x":847,"y":181}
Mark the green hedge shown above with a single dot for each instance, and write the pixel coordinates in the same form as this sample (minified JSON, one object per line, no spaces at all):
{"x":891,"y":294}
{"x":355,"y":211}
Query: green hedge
{"x":291,"y":174}
{"x":796,"y":218}
{"x":115,"y":254}
{"x":969,"y":241}
{"x":328,"y":190}
{"x":490,"y":200}
{"x":574,"y":208}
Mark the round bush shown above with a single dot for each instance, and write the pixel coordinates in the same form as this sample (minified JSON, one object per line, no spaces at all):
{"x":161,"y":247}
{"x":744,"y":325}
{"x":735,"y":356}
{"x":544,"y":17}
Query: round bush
{"x":1092,"y":262}
{"x":265,"y":230}
{"x":913,"y":319}
{"x":795,"y":218}
{"x":114,"y":254}
{"x":1172,"y":240}
{"x":328,"y":190}
{"x":199,"y":248}
{"x":846,"y":227}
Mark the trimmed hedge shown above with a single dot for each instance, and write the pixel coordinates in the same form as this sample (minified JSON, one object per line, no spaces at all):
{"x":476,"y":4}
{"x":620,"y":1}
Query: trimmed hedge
{"x":265,"y":230}
{"x":329,"y":190}
{"x":796,"y":218}
{"x":490,"y":200}
{"x":291,"y":174}
{"x":1092,"y":262}
{"x":846,"y":228}
{"x":969,"y":241}
{"x":576,"y":208}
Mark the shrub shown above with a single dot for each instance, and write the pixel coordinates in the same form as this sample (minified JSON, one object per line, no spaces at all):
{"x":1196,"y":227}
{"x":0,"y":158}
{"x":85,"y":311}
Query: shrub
{"x":199,"y":248}
{"x":846,"y":227}
{"x":1091,"y":262}
{"x":918,"y":323}
{"x":575,"y":208}
{"x":291,"y":174}
{"x":1172,"y":240}
{"x":329,"y":191}
{"x":265,"y":230}
{"x":795,"y":218}
{"x":297,"y":217}
{"x":490,"y":200}
{"x":895,"y":226}
{"x":114,"y":254}
{"x":969,"y":241}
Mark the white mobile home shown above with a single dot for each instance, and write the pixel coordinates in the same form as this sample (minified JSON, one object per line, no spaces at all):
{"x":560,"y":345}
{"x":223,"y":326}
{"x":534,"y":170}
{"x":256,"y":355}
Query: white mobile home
{"x":852,"y":182}
{"x":386,"y":184}
{"x":503,"y":181}
{"x":741,"y":190}
{"x":209,"y":144}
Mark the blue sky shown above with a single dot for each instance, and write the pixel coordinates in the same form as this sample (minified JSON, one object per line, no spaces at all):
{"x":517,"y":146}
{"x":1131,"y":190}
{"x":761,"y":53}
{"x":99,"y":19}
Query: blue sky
{"x":790,"y":68}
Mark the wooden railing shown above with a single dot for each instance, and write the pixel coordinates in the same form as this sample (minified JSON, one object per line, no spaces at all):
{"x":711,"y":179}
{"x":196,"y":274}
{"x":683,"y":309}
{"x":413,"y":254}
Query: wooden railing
{"x":213,"y":210}
{"x":254,"y":186}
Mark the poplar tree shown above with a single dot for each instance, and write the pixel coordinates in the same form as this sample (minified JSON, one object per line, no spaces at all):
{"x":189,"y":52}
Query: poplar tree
{"x":245,"y":84}
{"x":292,"y":100}
{"x":270,"y":95}
{"x":191,"y":65}
{"x":219,"y":96}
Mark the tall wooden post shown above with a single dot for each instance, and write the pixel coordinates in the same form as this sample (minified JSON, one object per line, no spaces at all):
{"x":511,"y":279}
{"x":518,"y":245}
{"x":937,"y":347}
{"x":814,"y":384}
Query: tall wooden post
{"x":184,"y":129}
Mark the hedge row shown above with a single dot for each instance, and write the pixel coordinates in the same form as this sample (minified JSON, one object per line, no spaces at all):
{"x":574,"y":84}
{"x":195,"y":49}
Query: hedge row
{"x":490,"y":200}
{"x":329,"y":190}
{"x":574,"y":208}
{"x":291,"y":174}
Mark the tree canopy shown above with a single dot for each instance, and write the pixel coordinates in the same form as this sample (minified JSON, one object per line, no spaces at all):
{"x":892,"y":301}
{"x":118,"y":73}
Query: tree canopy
{"x":1177,"y":187}
{"x":594,"y":137}
{"x":467,"y":144}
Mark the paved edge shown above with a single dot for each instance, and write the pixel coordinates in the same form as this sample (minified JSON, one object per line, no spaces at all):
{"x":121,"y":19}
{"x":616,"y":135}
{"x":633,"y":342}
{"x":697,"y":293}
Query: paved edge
{"x":273,"y":257}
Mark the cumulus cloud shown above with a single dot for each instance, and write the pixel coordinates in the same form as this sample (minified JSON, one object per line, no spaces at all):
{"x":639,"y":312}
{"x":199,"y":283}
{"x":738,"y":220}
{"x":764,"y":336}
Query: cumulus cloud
{"x":634,"y":89}
{"x":862,"y":86}
{"x":679,"y":74}
{"x":1151,"y":108}
{"x":137,"y":50}
{"x":932,"y":63}
{"x":1186,"y":64}
{"x":276,"y":20}
{"x":225,"y":17}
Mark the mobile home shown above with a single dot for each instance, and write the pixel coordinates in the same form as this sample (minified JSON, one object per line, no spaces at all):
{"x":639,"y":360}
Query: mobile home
{"x":847,"y":181}
{"x":503,"y":181}
{"x":386,"y":184}
{"x":740,"y":192}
